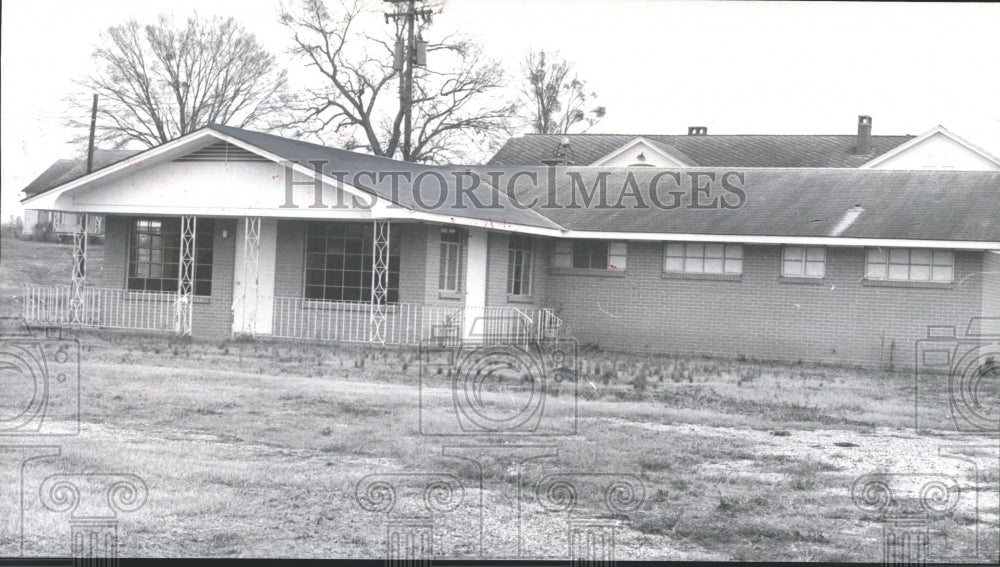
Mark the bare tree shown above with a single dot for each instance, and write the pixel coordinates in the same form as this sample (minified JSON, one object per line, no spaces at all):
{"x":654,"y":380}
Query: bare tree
{"x":159,"y":82}
{"x":456,"y":103}
{"x":556,"y":98}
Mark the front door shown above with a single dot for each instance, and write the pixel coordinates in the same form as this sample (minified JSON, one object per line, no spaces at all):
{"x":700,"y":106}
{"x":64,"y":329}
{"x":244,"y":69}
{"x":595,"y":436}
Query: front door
{"x":253,"y":276}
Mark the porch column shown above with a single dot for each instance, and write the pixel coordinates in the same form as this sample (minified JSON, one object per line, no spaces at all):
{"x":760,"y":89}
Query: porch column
{"x":185,"y":279}
{"x":380,"y":281}
{"x":79,"y":275}
{"x":475,"y":283}
{"x":251,"y":274}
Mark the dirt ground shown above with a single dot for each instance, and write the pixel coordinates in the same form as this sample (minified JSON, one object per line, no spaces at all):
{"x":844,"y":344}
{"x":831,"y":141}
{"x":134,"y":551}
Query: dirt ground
{"x":280,"y":449}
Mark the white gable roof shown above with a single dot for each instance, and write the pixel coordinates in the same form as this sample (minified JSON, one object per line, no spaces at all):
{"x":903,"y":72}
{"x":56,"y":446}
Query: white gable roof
{"x":646,"y":153}
{"x":938,"y":148}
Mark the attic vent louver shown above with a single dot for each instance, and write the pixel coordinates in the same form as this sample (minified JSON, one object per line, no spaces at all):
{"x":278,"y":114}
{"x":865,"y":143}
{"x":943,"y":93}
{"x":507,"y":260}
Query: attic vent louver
{"x":224,"y":152}
{"x":697,"y":130}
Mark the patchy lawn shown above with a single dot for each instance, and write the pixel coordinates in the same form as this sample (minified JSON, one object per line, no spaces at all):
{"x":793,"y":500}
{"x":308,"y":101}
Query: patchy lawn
{"x":258,"y":449}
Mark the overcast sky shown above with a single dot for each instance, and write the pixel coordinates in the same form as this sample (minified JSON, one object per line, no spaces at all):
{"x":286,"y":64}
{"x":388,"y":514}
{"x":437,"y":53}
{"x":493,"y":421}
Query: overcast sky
{"x":658,"y":66}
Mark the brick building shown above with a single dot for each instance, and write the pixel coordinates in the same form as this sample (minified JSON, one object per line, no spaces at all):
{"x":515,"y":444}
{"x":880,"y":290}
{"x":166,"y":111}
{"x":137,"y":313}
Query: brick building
{"x":842,"y":249}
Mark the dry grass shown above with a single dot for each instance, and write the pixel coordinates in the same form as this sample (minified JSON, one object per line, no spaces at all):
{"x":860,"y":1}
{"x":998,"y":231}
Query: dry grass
{"x":255,"y":449}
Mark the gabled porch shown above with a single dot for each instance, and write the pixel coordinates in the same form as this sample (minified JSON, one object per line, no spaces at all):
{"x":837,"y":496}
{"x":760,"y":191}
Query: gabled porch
{"x":226,"y":232}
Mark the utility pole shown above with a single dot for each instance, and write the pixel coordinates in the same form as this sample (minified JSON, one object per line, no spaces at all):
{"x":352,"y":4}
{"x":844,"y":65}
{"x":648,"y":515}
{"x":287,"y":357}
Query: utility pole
{"x":410,"y":50}
{"x":93,"y":127}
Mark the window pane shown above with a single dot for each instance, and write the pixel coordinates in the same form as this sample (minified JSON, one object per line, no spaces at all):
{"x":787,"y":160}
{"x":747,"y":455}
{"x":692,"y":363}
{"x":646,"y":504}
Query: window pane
{"x":451,"y":257}
{"x":674,"y":264}
{"x":944,"y":258}
{"x":599,"y":255}
{"x":920,"y":273}
{"x":713,"y":265}
{"x":203,"y":287}
{"x":519,"y":260}
{"x":922,"y":257}
{"x":353,"y":262}
{"x":695,"y":251}
{"x":598,"y":261}
{"x":899,"y":256}
{"x":793,"y":268}
{"x":943,"y":273}
{"x":815,"y":269}
{"x":815,"y":254}
{"x":793,"y":252}
{"x":675,"y":249}
{"x":876,"y":255}
{"x":734,"y":251}
{"x":694,"y":265}
{"x":526,"y":272}
{"x":713,"y":251}
{"x":899,"y":272}
{"x":734,"y":266}
{"x":315,"y":261}
{"x":876,"y":271}
{"x":581,"y":255}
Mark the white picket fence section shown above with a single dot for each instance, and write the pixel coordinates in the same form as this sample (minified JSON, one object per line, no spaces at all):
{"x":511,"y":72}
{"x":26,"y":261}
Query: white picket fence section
{"x":299,"y":318}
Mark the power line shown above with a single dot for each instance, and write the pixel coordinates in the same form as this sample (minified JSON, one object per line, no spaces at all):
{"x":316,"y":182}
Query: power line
{"x":412,"y":51}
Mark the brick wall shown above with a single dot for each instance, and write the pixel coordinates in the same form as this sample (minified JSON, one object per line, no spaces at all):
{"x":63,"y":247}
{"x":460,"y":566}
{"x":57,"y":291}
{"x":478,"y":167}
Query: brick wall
{"x":991,"y":285}
{"x":837,"y":320}
{"x":412,"y":262}
{"x":290,"y":257}
{"x":213,"y":319}
{"x":115,"y":252}
{"x":213,"y":316}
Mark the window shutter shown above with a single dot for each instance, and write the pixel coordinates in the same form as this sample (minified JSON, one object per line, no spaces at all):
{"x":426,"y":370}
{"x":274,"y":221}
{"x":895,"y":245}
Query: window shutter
{"x":564,"y":254}
{"x":617,"y":253}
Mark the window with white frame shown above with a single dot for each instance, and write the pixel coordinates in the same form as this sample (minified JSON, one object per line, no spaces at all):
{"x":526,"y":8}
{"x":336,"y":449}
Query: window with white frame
{"x":701,"y":258}
{"x":520,"y":264}
{"x":450,"y":267}
{"x":910,"y":264}
{"x":591,"y":254}
{"x":803,"y":261}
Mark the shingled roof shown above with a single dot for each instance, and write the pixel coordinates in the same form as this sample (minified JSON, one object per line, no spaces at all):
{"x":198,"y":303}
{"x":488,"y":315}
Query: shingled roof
{"x":928,"y":205}
{"x":66,"y":170}
{"x":902,"y":204}
{"x":706,"y":151}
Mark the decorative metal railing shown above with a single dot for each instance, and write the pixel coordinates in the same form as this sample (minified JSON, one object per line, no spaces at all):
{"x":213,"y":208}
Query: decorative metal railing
{"x":411,"y":323}
{"x":108,"y":308}
{"x":299,"y":318}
